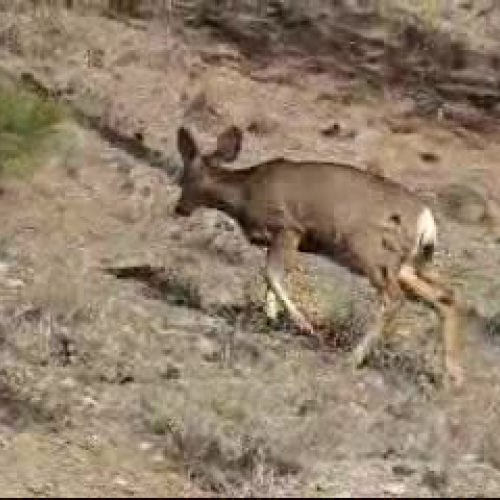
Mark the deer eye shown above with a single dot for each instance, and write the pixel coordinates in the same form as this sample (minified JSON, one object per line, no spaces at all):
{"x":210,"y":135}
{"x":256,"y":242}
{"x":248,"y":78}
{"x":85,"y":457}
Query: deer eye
{"x":395,"y":218}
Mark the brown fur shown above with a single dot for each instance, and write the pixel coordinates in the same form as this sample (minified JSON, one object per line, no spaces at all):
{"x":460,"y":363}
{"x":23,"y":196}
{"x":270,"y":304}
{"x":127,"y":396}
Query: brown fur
{"x":361,"y":220}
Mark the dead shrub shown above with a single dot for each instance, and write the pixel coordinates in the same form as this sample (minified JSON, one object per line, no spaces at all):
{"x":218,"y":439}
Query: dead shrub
{"x":218,"y":457}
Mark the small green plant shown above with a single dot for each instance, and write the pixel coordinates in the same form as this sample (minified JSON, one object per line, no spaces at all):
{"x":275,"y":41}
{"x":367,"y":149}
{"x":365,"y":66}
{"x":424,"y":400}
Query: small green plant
{"x":431,"y":12}
{"x":180,"y":290}
{"x":26,"y":121}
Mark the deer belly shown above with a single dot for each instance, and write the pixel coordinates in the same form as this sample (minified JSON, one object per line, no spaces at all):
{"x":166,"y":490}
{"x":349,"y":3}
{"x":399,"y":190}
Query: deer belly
{"x":337,"y":250}
{"x":257,"y":235}
{"x":259,"y":238}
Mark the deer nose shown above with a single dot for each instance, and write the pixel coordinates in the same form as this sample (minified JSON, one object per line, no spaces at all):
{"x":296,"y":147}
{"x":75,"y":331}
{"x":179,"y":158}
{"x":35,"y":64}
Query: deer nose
{"x":181,"y":210}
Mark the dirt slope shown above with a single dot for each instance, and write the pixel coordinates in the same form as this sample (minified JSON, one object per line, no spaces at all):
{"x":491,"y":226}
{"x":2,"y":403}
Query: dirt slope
{"x":159,"y":385}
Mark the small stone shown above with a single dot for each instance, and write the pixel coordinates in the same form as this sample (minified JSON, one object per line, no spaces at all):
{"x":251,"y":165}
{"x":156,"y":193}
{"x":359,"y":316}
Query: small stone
{"x":39,"y":489}
{"x":402,"y":470}
{"x":89,"y":402}
{"x":434,"y":479}
{"x":158,"y":458}
{"x":429,"y":157}
{"x":122,"y":483}
{"x":92,"y":442}
{"x":171,"y":372}
{"x":124,"y":168}
{"x":396,"y":489}
{"x":68,"y":383}
{"x":331,"y":130}
{"x":14,"y":283}
{"x":208,"y":349}
{"x":145,"y":446}
{"x":306,"y":407}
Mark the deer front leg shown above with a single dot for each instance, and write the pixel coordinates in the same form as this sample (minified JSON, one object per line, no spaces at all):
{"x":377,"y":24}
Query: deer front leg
{"x":388,"y":308}
{"x":282,"y":243}
{"x":272,"y":306}
{"x":444,"y":303}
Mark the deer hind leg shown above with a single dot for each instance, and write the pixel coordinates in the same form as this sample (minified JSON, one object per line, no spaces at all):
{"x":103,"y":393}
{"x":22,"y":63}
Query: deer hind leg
{"x":424,"y":268}
{"x":284,"y":243}
{"x":444,"y":303}
{"x":390,"y":303}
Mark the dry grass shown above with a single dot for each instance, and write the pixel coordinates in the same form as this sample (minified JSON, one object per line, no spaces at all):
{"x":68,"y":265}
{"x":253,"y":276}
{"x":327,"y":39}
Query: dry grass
{"x":215,"y":454}
{"x":180,"y":364}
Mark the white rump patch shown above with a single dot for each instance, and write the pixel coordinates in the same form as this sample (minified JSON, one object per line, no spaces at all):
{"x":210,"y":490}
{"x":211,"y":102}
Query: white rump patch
{"x":426,"y":230}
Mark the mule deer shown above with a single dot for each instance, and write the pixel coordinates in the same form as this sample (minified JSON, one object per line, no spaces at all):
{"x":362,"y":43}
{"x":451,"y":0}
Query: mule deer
{"x":369,"y":224}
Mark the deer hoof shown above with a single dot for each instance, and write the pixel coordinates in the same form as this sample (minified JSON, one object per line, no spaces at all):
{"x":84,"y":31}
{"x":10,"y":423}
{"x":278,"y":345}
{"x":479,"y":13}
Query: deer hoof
{"x":305,"y":327}
{"x":272,"y":307}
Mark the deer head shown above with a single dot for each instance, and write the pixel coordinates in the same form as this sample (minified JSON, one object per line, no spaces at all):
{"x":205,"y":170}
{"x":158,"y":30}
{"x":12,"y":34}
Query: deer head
{"x":197,"y":181}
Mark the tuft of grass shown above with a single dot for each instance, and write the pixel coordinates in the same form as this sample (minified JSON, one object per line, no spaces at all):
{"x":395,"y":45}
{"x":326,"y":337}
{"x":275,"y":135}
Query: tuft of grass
{"x":430,"y":12}
{"x":344,"y":324}
{"x":491,"y":326}
{"x":26,"y":122}
{"x":177,"y":289}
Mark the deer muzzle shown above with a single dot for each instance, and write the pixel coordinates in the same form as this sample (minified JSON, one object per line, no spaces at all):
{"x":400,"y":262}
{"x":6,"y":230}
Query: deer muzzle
{"x":183,"y":207}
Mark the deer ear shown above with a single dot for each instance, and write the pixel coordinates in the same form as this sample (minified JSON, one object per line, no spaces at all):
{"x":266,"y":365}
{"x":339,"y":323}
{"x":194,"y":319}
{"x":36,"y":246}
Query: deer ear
{"x":229,"y":144}
{"x":186,"y":146}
